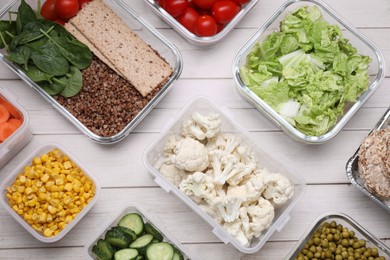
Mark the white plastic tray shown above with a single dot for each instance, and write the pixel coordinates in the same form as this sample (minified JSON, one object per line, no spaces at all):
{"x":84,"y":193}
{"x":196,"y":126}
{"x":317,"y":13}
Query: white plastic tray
{"x":11,"y":178}
{"x":205,"y":105}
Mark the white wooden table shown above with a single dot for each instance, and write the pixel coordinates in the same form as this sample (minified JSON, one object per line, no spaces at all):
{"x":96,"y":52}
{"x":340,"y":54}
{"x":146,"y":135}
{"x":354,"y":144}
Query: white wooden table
{"x":207,"y":71}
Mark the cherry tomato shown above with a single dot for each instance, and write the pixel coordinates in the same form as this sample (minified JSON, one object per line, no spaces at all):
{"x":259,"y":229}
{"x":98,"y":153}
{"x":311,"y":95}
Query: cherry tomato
{"x":48,"y":10}
{"x":205,"y":26}
{"x":66,"y":9}
{"x":224,"y":11}
{"x":174,"y":7}
{"x":83,"y":2}
{"x":241,"y":2}
{"x":59,"y":22}
{"x":204,"y":4}
{"x":188,"y":19}
{"x":220,"y":27}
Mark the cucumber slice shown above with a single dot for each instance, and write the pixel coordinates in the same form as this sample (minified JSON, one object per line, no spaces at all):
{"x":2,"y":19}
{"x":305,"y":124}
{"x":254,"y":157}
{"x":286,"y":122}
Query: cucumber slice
{"x":150,"y":229}
{"x":177,"y":255}
{"x":103,"y":250}
{"x":126,"y":254}
{"x":118,"y":238}
{"x":142,"y":243}
{"x":134,"y":222}
{"x":140,"y":257}
{"x":160,"y":251}
{"x":128,"y":231}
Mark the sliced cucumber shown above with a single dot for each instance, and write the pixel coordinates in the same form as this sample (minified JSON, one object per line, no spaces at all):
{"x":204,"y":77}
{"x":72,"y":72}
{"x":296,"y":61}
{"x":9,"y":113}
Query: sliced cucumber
{"x":149,"y":229}
{"x":118,"y":238}
{"x":140,"y":257}
{"x":126,"y":254}
{"x":128,"y":231}
{"x":160,"y":251}
{"x":142,"y":243}
{"x":177,"y":255}
{"x":134,"y":222}
{"x":155,"y":240}
{"x":103,"y":250}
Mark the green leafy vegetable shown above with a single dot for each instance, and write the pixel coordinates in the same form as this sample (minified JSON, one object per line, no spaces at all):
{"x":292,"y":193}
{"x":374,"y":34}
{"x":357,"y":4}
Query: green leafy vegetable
{"x":307,"y":71}
{"x":7,"y":29}
{"x":74,"y":83}
{"x":25,"y":15}
{"x":49,"y":60}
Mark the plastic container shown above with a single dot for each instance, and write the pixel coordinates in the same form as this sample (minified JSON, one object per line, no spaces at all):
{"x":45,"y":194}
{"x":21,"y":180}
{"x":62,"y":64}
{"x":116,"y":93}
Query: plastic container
{"x":15,"y":142}
{"x":353,"y":170}
{"x":363,"y":45}
{"x":192,"y":38}
{"x":167,"y":50}
{"x":204,"y":105}
{"x":147,"y":217}
{"x":346,"y":221}
{"x":11,"y":178}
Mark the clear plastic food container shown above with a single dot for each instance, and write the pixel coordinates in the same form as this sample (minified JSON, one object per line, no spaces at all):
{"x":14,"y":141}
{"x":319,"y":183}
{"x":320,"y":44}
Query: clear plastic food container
{"x":192,"y":38}
{"x":11,"y":178}
{"x":345,"y":221}
{"x":204,"y":105}
{"x":22,"y":134}
{"x":153,"y":38}
{"x":147,"y":218}
{"x":363,"y":45}
{"x":353,"y":170}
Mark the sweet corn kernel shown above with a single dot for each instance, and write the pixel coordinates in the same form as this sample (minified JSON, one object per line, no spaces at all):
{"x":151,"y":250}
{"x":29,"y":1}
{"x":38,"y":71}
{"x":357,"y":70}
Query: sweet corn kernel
{"x":45,"y":178}
{"x":44,"y":158}
{"x":68,"y":187}
{"x":48,"y":232}
{"x":37,"y":161}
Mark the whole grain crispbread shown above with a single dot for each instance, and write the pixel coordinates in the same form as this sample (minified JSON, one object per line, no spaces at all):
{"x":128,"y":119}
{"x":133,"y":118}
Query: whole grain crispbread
{"x":129,"y":54}
{"x":79,"y":36}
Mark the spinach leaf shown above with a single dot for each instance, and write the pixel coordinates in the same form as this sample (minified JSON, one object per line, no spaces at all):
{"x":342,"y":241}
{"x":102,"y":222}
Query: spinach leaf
{"x":25,"y":15}
{"x":54,"y":88}
{"x":20,"y":55}
{"x":7,"y":26}
{"x":74,"y":51}
{"x":49,"y":59}
{"x":31,"y":32}
{"x":74,"y":83}
{"x":36,"y":74}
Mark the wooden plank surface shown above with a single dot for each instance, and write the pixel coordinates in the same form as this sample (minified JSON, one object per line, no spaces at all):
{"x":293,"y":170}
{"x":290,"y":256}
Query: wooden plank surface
{"x":123,"y":177}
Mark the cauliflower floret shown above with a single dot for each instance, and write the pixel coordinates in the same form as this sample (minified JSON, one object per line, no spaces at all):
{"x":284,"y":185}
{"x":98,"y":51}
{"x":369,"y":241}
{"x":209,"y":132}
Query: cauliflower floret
{"x":278,"y":188}
{"x":201,"y":126}
{"x":222,"y":164}
{"x":259,"y":216}
{"x":245,"y":155}
{"x":238,"y":172}
{"x":250,"y":191}
{"x":235,"y":229}
{"x":190,"y":155}
{"x":210,"y":211}
{"x":169,"y":146}
{"x":226,"y":207}
{"x":172,"y":173}
{"x":199,"y":185}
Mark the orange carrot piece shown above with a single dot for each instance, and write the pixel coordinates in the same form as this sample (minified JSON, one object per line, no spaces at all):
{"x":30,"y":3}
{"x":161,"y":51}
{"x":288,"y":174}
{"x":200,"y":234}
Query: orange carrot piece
{"x":11,"y":109}
{"x":6,"y":129}
{"x":16,"y":122}
{"x":4,"y":114}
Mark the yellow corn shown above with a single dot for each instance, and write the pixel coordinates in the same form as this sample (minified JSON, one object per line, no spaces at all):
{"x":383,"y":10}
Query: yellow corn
{"x":50,"y":192}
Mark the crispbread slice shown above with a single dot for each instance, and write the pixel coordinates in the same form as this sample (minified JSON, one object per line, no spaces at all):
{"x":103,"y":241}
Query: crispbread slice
{"x":79,"y":36}
{"x":129,"y":54}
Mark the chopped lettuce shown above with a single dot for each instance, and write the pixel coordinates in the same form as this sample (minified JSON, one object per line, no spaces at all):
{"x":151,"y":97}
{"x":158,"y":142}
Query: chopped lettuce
{"x":307,"y":71}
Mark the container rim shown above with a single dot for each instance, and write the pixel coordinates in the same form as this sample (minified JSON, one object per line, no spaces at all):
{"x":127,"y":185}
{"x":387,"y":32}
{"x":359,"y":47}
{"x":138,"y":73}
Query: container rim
{"x":27,"y":161}
{"x":271,"y":113}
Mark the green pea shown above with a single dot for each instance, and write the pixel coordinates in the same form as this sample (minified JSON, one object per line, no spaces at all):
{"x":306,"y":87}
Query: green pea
{"x":329,"y":237}
{"x":356,"y":245}
{"x":317,"y":241}
{"x":374,"y":251}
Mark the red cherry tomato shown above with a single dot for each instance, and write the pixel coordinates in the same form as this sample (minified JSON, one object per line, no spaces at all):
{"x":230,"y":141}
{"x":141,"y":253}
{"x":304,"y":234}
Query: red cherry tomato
{"x":188,"y":19}
{"x":224,"y":11}
{"x":204,"y":4}
{"x":174,"y":7}
{"x":66,"y":9}
{"x":220,"y":27}
{"x":83,"y":2}
{"x":241,"y":2}
{"x":205,"y":26}
{"x":59,"y":22}
{"x":48,"y":10}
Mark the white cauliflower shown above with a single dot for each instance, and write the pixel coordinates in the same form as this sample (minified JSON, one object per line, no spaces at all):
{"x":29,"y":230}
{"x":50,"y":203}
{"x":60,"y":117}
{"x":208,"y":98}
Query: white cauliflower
{"x":239,"y":171}
{"x":198,"y":185}
{"x":210,"y":211}
{"x":258,"y":216}
{"x":250,"y":191}
{"x":201,"y":126}
{"x":235,"y":229}
{"x":245,"y":155}
{"x":226,"y":207}
{"x":190,"y":155}
{"x":278,"y":188}
{"x":172,"y":173}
